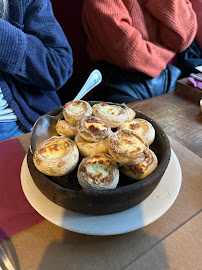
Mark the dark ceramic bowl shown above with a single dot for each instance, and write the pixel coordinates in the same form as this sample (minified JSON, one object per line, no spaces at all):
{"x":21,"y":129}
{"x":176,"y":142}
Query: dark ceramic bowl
{"x":66,"y":191}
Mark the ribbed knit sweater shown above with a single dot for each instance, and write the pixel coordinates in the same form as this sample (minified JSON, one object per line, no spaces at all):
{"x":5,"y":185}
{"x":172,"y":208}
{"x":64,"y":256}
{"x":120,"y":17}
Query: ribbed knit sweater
{"x":141,"y":35}
{"x":35,"y":59}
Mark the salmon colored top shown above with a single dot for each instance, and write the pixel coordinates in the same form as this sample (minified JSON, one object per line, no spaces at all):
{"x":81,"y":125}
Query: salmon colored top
{"x":138,"y":35}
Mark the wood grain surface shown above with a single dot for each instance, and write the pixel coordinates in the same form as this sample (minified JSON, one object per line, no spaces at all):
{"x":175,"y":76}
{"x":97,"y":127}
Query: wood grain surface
{"x":180,"y":117}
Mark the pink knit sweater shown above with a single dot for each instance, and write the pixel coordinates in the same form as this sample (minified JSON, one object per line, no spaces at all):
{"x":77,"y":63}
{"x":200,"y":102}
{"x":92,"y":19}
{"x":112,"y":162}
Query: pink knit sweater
{"x":138,"y":35}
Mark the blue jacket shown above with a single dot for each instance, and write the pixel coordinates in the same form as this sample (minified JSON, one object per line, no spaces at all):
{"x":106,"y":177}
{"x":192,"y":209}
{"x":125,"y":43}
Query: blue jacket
{"x":35,"y":59}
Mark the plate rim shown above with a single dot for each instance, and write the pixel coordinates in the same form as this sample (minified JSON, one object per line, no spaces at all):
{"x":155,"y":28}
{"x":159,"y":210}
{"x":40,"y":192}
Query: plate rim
{"x":68,"y":214}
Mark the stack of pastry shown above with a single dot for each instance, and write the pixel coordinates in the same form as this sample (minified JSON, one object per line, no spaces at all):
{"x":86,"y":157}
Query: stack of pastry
{"x":72,"y":112}
{"x":92,"y":135}
{"x":145,"y":160}
{"x":108,"y":138}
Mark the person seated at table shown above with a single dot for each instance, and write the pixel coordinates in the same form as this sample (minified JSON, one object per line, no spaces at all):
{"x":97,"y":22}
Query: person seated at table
{"x":132,"y":43}
{"x":35,"y":61}
{"x":192,"y":56}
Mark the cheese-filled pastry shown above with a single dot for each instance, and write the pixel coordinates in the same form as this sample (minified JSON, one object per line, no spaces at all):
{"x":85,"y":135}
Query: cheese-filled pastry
{"x":56,"y":156}
{"x":111,"y":113}
{"x":142,"y":127}
{"x":130,"y":113}
{"x":64,"y":129}
{"x":87,"y":148}
{"x":93,"y":129}
{"x":142,"y":169}
{"x":75,"y":110}
{"x":98,"y":171}
{"x":127,"y":147}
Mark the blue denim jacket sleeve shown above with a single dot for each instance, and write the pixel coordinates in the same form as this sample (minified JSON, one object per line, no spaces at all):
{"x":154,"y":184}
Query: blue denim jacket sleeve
{"x":39,"y":53}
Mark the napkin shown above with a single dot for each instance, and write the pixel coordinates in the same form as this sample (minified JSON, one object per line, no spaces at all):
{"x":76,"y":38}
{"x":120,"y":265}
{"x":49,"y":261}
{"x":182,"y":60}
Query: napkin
{"x":16,"y":214}
{"x":195,"y":82}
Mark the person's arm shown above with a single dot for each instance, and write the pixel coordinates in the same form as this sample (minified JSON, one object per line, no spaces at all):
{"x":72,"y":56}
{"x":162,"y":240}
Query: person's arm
{"x":178,"y":23}
{"x":40,"y":55}
{"x":197,"y":7}
{"x":112,"y":38}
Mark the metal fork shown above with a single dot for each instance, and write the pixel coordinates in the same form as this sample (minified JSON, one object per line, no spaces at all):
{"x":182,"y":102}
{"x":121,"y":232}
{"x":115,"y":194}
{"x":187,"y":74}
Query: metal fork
{"x":5,"y":260}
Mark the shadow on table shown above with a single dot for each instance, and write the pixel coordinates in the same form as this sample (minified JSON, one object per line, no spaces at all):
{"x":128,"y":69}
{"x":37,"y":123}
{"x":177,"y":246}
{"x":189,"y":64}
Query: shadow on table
{"x":79,"y":251}
{"x":112,"y":252}
{"x":63,"y":249}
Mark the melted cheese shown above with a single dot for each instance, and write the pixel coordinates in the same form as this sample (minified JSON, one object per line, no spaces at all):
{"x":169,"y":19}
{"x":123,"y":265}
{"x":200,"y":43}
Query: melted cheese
{"x":97,"y":126}
{"x":109,"y":109}
{"x":98,"y":169}
{"x":53,"y":150}
{"x":76,"y":107}
{"x":135,"y":125}
{"x":130,"y":144}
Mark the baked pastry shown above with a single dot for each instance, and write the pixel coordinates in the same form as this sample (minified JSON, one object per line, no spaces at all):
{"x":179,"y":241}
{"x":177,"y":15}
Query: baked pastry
{"x":75,"y":110}
{"x":93,"y":129}
{"x":64,"y":129}
{"x":98,"y":171}
{"x":87,"y":148}
{"x":130,"y":113}
{"x":142,"y":127}
{"x":56,"y":156}
{"x":127,"y":147}
{"x":112,"y":114}
{"x":142,"y":169}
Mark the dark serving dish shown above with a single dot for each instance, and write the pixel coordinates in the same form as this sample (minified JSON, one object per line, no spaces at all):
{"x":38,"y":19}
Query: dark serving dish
{"x":66,"y":191}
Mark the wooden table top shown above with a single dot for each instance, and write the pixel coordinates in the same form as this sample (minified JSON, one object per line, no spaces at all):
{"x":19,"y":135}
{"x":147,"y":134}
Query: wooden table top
{"x":172,"y":242}
{"x":180,"y":118}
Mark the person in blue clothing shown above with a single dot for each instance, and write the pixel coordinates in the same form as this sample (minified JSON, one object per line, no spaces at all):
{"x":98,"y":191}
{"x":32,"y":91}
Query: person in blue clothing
{"x":35,"y":61}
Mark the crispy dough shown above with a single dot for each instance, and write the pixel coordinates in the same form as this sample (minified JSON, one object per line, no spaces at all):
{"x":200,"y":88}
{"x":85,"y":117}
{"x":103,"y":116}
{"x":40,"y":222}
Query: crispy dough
{"x":93,"y":129}
{"x":142,"y":127}
{"x":130,"y":113}
{"x":127,"y":147}
{"x":64,"y":129}
{"x":143,"y":169}
{"x":56,"y":156}
{"x":87,"y":148}
{"x":75,"y":110}
{"x":113,"y":114}
{"x":98,"y":171}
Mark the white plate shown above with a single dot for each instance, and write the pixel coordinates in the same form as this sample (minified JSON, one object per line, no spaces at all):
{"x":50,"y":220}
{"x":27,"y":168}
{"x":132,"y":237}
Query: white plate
{"x":152,"y":208}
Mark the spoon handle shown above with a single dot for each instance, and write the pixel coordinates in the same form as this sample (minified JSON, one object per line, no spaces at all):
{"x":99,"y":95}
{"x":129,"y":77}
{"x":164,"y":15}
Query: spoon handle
{"x":94,"y":79}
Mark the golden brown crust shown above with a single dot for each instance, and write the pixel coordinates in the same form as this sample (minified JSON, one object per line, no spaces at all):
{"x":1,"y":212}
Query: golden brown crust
{"x":93,"y":129}
{"x":56,"y":156}
{"x":75,"y":110}
{"x":143,"y":169}
{"x":64,"y":129}
{"x":130,"y":113}
{"x":98,"y":171}
{"x":112,"y":114}
{"x":127,"y":147}
{"x":87,"y":148}
{"x":142,"y":127}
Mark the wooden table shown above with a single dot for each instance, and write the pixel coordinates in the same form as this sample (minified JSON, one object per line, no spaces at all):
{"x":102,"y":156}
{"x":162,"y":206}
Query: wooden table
{"x":172,"y":242}
{"x":179,"y":117}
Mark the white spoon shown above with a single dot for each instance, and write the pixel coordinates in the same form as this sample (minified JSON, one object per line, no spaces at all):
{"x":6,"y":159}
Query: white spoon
{"x":44,"y":127}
